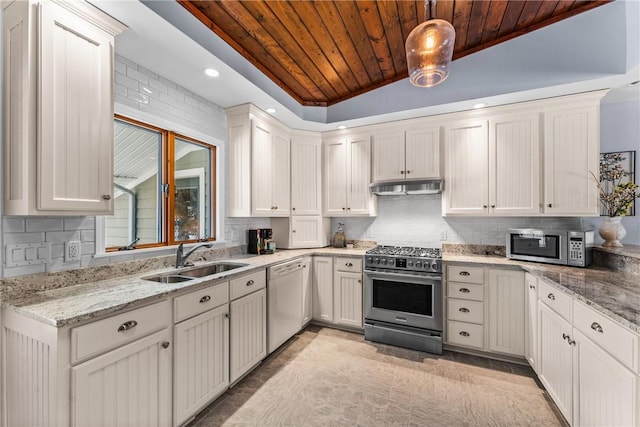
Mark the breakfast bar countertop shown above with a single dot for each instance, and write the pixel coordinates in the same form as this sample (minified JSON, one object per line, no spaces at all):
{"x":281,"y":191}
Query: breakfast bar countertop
{"x":615,"y":294}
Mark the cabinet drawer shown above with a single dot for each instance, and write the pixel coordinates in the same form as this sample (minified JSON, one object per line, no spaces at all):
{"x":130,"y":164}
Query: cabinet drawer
{"x":465,"y":334}
{"x":458,"y":273}
{"x":555,"y":299}
{"x":197,"y":302}
{"x":612,"y":337}
{"x":348,"y":264}
{"x":465,"y":310}
{"x":244,"y":285}
{"x":465,"y":291}
{"x":97,"y":337}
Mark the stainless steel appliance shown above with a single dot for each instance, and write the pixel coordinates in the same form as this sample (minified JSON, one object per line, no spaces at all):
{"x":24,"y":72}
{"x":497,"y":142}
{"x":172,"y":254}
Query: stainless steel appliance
{"x":566,"y":247}
{"x":403,"y":297}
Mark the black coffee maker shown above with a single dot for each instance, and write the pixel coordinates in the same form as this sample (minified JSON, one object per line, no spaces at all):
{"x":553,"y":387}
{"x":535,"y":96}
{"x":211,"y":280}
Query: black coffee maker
{"x":258,"y":240}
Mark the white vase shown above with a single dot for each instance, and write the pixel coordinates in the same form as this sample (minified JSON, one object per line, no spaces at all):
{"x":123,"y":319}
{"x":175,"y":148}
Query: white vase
{"x":612,"y":231}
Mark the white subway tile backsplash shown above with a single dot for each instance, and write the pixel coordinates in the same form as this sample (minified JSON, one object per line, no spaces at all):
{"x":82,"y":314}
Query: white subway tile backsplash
{"x":128,"y":82}
{"x":88,"y":235}
{"x":44,"y":224}
{"x":9,"y":238}
{"x":137,"y":75}
{"x":14,"y":225}
{"x":62,"y":236}
{"x":80,"y":223}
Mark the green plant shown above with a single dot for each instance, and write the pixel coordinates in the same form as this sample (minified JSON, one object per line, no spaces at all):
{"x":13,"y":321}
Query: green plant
{"x":617,"y":197}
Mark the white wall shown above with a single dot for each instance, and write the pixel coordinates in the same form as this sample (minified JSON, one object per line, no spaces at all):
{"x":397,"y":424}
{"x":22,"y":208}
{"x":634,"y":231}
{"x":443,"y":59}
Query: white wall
{"x":143,"y":95}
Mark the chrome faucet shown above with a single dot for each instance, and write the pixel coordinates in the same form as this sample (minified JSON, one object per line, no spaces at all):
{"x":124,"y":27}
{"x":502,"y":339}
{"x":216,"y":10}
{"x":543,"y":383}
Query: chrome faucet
{"x":181,"y":257}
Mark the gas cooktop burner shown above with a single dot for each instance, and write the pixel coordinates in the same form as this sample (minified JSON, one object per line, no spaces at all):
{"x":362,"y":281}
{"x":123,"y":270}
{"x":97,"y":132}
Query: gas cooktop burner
{"x":406,"y":251}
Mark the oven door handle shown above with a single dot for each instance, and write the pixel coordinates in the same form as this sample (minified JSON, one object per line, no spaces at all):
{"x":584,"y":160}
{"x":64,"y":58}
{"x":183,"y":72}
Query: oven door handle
{"x":408,"y":276}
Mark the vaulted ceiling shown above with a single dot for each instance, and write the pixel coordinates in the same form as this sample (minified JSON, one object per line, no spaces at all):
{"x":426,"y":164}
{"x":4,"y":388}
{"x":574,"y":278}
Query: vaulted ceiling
{"x":323,"y":52}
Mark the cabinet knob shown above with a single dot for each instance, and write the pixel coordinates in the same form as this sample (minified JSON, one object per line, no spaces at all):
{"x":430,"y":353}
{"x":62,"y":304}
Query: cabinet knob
{"x":465,"y":333}
{"x":250,"y":283}
{"x":293,"y":209}
{"x":532,"y":287}
{"x":552,"y":297}
{"x":204,"y":299}
{"x":550,"y":205}
{"x":293,"y":231}
{"x":227,"y":315}
{"x":464,"y":290}
{"x":127,"y":325}
{"x":596,"y":327}
{"x":106,"y":197}
{"x":463,"y":310}
{"x":165,"y":344}
{"x":493,"y":206}
{"x":484,"y":206}
{"x":344,"y":209}
{"x":408,"y":172}
{"x":401,"y":172}
{"x":464,"y":273}
{"x":349,"y":264}
{"x":565,"y":336}
{"x":348,"y":209}
{"x":359,"y":281}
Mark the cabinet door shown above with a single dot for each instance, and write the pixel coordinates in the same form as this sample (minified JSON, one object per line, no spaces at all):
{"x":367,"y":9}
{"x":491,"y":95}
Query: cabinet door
{"x":280,"y":188}
{"x":130,"y":386}
{"x":388,"y":156}
{"x":605,"y":389}
{"x":466,"y":169}
{"x":531,"y":320}
{"x":347,"y":299}
{"x":306,"y":231}
{"x":555,"y":358}
{"x":75,"y":138}
{"x":335,"y":178}
{"x":248,"y":333}
{"x":571,"y":152}
{"x":306,"y":187}
{"x":506,"y":311}
{"x":307,"y":291}
{"x":514,"y":165}
{"x":323,"y":289}
{"x":359,"y":169}
{"x":239,"y":167}
{"x":201,"y":368}
{"x":261,"y":166}
{"x":422,"y":148}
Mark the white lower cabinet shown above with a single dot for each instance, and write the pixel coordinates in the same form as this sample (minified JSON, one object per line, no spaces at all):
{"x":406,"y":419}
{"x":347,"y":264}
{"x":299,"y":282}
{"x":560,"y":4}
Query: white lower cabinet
{"x":301,"y":231}
{"x":201,"y":366}
{"x":130,"y":386}
{"x":323,"y":288}
{"x":347,"y":299}
{"x":307,"y":290}
{"x":248,"y":333}
{"x":506,"y":312}
{"x":531,"y":321}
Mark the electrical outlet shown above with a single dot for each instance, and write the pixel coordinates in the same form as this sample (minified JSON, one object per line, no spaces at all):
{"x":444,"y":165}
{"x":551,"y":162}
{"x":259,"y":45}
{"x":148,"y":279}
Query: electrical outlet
{"x":443,"y":234}
{"x":73,"y":250}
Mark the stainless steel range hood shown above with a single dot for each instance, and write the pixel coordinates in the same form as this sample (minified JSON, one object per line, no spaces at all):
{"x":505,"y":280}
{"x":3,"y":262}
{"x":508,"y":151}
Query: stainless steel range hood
{"x":394,"y":188}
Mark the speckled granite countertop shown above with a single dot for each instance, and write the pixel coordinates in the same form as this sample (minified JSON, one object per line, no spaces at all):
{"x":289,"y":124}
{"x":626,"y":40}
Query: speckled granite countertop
{"x":613,"y":293}
{"x":78,"y":303}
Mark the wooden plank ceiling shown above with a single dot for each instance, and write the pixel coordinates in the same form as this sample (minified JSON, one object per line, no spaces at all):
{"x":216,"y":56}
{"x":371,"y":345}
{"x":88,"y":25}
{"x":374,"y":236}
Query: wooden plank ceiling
{"x":323,"y":52}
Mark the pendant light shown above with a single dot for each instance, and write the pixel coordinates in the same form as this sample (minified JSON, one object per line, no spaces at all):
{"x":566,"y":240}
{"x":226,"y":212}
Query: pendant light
{"x":429,"y":50}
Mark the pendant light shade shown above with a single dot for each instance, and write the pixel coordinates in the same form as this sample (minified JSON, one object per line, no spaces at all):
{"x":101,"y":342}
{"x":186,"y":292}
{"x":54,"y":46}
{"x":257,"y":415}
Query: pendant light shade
{"x":429,"y":50}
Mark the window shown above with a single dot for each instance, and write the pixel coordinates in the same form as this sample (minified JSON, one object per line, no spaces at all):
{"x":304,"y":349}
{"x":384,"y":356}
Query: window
{"x":164,"y":187}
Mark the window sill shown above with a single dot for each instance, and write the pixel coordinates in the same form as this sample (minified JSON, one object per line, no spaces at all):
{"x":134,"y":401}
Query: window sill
{"x":151,"y":252}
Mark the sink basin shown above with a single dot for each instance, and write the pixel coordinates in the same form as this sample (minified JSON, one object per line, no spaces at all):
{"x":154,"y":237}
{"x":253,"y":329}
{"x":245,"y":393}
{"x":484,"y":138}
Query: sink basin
{"x":171,"y":278}
{"x":208,"y":270}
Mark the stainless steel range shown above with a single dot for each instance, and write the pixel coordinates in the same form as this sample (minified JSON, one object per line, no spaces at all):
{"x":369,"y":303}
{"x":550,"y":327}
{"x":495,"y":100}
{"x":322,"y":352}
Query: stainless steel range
{"x":403,"y":297}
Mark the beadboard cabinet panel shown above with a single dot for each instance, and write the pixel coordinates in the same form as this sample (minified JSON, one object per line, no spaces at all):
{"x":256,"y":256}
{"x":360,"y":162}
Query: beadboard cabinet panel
{"x":248,"y":334}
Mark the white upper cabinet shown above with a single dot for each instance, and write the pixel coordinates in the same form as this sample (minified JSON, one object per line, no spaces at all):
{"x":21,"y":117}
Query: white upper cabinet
{"x":466,"y":152}
{"x":571,"y":152}
{"x":347,"y":175}
{"x":259,"y":164}
{"x":306,"y":173}
{"x":58,"y":100}
{"x":406,"y":154}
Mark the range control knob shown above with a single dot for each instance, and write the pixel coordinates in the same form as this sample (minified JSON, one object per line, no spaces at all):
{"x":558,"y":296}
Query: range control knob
{"x":434,"y":266}
{"x":376,"y":260}
{"x":418,"y":264}
{"x":391,"y":261}
{"x":409,"y":263}
{"x":383,"y":261}
{"x":369,"y":260}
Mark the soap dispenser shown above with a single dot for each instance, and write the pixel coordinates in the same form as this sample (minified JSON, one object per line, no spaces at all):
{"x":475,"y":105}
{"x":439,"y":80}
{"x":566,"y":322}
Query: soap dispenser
{"x":339,"y":240}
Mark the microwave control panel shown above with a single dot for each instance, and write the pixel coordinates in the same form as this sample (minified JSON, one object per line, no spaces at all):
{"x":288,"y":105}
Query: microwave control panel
{"x":576,"y":248}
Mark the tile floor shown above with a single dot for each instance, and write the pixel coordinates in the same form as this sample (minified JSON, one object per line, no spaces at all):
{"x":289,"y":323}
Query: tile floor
{"x":327,"y":377}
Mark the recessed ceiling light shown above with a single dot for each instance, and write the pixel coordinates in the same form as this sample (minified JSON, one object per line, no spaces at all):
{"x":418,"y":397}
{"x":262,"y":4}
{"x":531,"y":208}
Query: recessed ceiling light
{"x":271,"y":110}
{"x":479,"y":105}
{"x":211,"y":72}
{"x":342,"y":127}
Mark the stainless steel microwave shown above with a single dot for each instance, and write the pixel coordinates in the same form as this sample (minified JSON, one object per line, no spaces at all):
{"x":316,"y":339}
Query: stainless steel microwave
{"x":566,"y":247}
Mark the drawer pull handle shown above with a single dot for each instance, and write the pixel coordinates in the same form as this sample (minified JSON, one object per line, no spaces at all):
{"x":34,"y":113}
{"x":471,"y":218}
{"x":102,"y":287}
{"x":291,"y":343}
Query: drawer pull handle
{"x":127,"y":325}
{"x":165,"y":344}
{"x":464,"y":290}
{"x":552,"y":297}
{"x":464,"y":273}
{"x":463,"y":309}
{"x":250,"y":283}
{"x":204,"y":299}
{"x":349,"y":264}
{"x":465,"y":333}
{"x":596,"y":327}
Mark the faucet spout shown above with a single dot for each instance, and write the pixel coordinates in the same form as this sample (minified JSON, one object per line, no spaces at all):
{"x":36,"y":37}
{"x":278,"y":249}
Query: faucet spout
{"x":181,"y":256}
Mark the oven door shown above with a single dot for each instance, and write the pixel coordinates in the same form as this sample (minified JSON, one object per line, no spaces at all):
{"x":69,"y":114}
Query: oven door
{"x":402,"y":298}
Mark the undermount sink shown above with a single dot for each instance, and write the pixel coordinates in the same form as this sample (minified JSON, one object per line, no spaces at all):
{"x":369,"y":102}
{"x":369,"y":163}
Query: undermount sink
{"x":208,"y":270}
{"x":169,"y":278}
{"x":205,"y":270}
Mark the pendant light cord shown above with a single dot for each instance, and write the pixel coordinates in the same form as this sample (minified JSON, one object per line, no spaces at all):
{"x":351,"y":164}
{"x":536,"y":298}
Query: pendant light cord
{"x":430,"y":3}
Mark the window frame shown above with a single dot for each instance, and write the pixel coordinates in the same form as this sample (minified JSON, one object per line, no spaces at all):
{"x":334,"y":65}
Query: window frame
{"x":167,"y":204}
